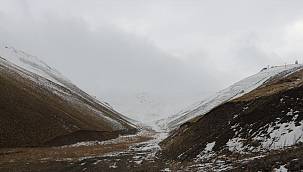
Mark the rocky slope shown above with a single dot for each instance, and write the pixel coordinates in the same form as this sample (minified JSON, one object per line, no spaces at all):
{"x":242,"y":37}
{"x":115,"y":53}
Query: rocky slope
{"x":266,"y":123}
{"x":39,"y":107}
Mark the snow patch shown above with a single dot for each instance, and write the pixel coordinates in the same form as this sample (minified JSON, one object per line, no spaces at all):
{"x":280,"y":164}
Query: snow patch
{"x":281,"y":169}
{"x":235,"y":145}
{"x":283,"y":135}
{"x":273,"y":136}
{"x":206,"y":153}
{"x":114,"y":165}
{"x":210,"y":146}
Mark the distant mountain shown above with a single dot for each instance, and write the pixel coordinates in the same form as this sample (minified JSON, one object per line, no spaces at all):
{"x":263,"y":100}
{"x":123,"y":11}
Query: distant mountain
{"x":256,"y":124}
{"x":39,"y":106}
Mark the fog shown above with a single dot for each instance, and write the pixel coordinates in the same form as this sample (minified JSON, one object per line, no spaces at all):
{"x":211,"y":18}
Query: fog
{"x":150,"y":59}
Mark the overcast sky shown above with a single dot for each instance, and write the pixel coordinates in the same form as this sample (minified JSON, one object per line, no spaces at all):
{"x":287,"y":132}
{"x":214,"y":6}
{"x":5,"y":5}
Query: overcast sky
{"x":150,"y":59}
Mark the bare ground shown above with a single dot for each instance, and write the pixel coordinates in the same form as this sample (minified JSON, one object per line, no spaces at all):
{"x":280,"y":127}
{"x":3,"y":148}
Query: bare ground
{"x":131,"y":153}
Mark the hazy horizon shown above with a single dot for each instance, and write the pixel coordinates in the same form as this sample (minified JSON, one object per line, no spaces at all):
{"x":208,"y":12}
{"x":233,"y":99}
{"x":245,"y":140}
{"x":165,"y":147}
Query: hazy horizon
{"x":150,"y":59}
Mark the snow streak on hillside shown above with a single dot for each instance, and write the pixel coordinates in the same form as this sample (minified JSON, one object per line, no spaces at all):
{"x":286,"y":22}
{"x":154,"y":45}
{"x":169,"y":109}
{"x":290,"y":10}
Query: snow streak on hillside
{"x":36,"y":70}
{"x":236,"y":90}
{"x":35,"y":65}
{"x":32,"y":64}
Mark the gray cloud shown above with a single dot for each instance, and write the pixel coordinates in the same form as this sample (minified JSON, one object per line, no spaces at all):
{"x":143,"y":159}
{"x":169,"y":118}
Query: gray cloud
{"x":113,"y":64}
{"x":149,"y":59}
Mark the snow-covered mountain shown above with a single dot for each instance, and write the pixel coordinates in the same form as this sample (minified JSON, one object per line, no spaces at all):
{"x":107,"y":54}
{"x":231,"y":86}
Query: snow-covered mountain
{"x":35,"y":65}
{"x":236,"y":90}
{"x":254,"y":125}
{"x":40,"y":106}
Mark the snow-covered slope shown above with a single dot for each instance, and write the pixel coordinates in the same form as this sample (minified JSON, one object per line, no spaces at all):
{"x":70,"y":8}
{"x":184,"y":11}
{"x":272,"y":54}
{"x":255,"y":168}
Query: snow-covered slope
{"x":37,"y":90}
{"x":32,"y":64}
{"x":261,"y":128}
{"x":35,"y":65}
{"x":236,"y":90}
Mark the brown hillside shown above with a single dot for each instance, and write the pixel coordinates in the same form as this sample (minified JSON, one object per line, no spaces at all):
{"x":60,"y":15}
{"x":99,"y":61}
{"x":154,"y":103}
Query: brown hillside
{"x":35,"y":114}
{"x":247,"y":117}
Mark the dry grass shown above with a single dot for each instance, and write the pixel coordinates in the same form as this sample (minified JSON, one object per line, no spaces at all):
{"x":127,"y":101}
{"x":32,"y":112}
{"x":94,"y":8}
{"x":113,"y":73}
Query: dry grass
{"x":274,"y":86}
{"x":66,"y":153}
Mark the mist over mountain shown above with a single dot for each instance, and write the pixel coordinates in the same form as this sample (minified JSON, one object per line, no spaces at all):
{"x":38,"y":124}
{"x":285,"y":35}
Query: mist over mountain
{"x":161,"y":85}
{"x":172,"y":50}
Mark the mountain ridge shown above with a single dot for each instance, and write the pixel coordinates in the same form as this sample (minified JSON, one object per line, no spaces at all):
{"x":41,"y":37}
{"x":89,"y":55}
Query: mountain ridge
{"x":236,"y":90}
{"x":29,"y":98}
{"x":265,"y":123}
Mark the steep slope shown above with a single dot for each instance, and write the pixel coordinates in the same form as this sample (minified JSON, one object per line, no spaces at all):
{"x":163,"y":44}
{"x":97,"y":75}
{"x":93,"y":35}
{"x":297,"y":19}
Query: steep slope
{"x":236,"y":90}
{"x":266,"y":123}
{"x":38,"y":106}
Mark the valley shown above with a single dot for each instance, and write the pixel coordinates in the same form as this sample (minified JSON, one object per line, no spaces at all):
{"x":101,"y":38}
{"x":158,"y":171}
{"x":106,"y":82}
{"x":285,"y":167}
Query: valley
{"x":49,"y":124}
{"x":130,"y":152}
